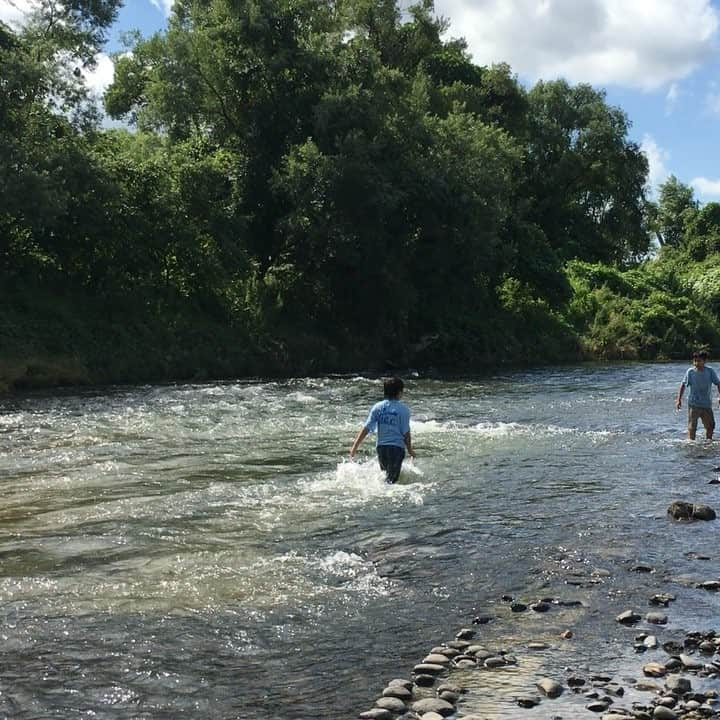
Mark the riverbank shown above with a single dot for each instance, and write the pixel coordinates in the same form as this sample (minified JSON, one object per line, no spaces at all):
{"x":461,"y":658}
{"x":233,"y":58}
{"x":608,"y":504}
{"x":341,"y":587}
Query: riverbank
{"x":656,"y":662}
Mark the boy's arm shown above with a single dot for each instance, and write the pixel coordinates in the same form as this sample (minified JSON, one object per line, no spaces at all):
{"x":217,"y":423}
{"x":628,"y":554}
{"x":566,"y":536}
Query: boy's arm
{"x":408,"y":444}
{"x":360,"y":437}
{"x":681,"y":390}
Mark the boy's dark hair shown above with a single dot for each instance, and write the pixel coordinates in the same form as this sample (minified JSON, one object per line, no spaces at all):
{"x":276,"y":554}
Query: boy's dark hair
{"x":701,"y":354}
{"x":392,"y":387}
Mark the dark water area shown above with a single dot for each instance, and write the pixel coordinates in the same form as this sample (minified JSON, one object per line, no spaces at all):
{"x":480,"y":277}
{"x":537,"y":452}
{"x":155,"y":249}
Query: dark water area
{"x":207,"y":551}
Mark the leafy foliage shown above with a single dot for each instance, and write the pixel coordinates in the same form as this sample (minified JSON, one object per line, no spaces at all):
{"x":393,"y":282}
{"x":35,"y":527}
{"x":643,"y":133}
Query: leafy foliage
{"x":311,"y":186}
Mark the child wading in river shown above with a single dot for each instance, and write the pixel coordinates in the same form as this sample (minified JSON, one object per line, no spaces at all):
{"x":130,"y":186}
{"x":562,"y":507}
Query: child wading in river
{"x":391,"y":418}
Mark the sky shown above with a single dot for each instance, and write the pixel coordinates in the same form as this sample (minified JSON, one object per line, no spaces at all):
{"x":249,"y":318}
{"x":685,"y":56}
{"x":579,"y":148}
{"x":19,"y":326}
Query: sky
{"x":658,"y":60}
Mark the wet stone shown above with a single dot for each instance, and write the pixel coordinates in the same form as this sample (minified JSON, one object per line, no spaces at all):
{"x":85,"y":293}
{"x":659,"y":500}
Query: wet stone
{"x":655,"y":669}
{"x":656,"y":618}
{"x":690,"y":662}
{"x":431,"y":716}
{"x":465,"y":664}
{"x":407,"y":684}
{"x":448,"y":696}
{"x":376,"y":714}
{"x":397,"y":691}
{"x":628,"y":617}
{"x":458,"y":644}
{"x":663,"y":599}
{"x":495,"y":661}
{"x":428,"y":669}
{"x":392,"y":704}
{"x":540,"y":607}
{"x":711,"y":585}
{"x":425,"y":680}
{"x":436,"y":659}
{"x":441,"y":707}
{"x":527,"y":701}
{"x":482,"y":620}
{"x":465,"y":634}
{"x":538,"y":646}
{"x":450,"y":688}
{"x":597,"y":706}
{"x":663,"y":713}
{"x":517,"y":607}
{"x":549,"y":687}
{"x":575,"y":681}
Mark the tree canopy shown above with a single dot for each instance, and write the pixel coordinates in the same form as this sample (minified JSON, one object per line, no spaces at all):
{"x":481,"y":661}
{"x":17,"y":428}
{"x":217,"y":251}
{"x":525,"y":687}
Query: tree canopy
{"x":326,"y":184}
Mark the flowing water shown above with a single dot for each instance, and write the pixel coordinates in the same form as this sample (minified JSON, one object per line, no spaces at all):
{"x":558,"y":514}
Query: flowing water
{"x":208,"y":551}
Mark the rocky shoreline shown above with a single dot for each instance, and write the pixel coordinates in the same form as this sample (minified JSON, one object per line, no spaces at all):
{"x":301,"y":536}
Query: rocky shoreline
{"x":676,"y":675}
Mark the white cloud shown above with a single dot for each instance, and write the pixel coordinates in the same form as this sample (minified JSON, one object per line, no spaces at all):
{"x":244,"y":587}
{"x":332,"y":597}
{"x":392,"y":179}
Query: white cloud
{"x":672,"y":97}
{"x":657,"y":160}
{"x":712,"y":102}
{"x":706,"y":187}
{"x":101,"y":76}
{"x":165,"y":6}
{"x":633,"y":43}
{"x":13,"y":12}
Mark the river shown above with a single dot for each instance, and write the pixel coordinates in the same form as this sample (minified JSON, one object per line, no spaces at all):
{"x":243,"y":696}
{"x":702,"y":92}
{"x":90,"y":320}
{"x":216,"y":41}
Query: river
{"x":207,"y":551}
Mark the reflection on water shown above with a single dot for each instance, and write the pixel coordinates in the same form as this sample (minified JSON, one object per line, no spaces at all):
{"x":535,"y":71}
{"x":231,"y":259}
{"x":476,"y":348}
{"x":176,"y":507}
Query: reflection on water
{"x":209,"y":550}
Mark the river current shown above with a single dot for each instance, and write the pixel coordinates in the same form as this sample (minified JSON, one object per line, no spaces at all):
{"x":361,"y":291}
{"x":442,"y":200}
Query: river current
{"x":208,"y":551}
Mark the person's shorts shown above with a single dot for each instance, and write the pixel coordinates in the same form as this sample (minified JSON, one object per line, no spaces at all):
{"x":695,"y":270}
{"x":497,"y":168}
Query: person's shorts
{"x":391,"y":458}
{"x":705,"y":415}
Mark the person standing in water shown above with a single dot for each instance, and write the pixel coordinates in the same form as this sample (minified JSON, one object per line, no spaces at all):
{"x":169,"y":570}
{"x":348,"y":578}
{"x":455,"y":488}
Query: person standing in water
{"x":391,"y":418}
{"x":700,"y":378}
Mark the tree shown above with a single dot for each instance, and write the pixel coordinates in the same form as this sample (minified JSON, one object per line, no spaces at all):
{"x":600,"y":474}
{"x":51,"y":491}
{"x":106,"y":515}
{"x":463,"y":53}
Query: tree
{"x":584,"y":175}
{"x":676,"y":206}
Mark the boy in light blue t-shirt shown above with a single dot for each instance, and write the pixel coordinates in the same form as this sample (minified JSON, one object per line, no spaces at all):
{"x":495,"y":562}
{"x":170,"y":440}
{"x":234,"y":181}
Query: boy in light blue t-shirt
{"x":391,"y":418}
{"x":700,"y":378}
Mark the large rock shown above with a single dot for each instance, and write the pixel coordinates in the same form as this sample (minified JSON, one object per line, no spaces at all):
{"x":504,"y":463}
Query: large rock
{"x":682,"y":510}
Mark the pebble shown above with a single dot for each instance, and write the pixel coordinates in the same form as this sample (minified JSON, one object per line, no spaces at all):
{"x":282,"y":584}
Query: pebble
{"x":517,"y":607}
{"x":656,"y":618}
{"x":540,"y":607}
{"x":441,"y":707}
{"x":655,"y":669}
{"x":527,"y":701}
{"x":436,"y":659}
{"x":428,"y":669}
{"x":425,"y":680}
{"x":597,"y":706}
{"x":397,"y":691}
{"x":628,"y":617}
{"x":690,"y":662}
{"x":407,"y":684}
{"x":482,"y":620}
{"x":663,"y":713}
{"x":392,"y":704}
{"x":450,"y":688}
{"x":431,"y":716}
{"x":678,"y":684}
{"x":549,"y":687}
{"x":449,"y":696}
{"x":376,"y":714}
{"x":537,"y":646}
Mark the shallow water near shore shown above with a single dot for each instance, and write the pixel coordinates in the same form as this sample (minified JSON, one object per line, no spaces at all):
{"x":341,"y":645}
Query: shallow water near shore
{"x":207,"y":551}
